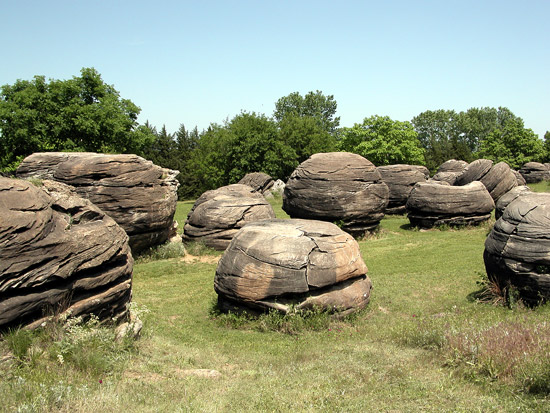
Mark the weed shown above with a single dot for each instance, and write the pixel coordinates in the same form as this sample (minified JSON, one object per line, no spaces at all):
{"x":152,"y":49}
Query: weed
{"x":199,"y":248}
{"x":162,"y":252}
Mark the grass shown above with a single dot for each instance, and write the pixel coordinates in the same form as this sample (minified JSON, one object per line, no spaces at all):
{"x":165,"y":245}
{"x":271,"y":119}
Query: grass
{"x":424,"y":343}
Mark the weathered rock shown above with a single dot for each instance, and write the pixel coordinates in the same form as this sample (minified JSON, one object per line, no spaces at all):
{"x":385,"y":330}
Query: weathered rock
{"x":337,"y":187}
{"x":432,"y":204}
{"x":292,"y":264}
{"x":452,"y":165}
{"x":519,"y":178}
{"x":259,"y":181}
{"x":217,"y":215}
{"x":534,"y":172}
{"x":277,"y":189}
{"x":448,"y":171}
{"x":517,"y":251}
{"x":139,"y":195}
{"x":498,"y":178}
{"x":59,"y":254}
{"x":400,"y":180}
{"x":508,"y":197}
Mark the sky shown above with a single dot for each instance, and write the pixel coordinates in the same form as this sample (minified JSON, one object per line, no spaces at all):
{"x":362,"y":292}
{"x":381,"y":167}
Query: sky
{"x":205,"y":61}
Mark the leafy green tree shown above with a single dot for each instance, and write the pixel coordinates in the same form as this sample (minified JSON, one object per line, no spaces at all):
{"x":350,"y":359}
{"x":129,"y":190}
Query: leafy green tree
{"x":547,"y":146}
{"x":79,"y":114}
{"x":512,"y":143}
{"x":383,"y":141}
{"x":305,"y":136}
{"x":313,"y":104}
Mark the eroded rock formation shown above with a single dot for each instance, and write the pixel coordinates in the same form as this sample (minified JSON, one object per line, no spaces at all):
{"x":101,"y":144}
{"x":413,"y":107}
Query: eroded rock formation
{"x":59,"y":254}
{"x":400,"y":180}
{"x":259,"y":181}
{"x":517,"y":251}
{"x":139,"y":195}
{"x":498,"y":179}
{"x":337,"y":187}
{"x":534,"y":172}
{"x":508,"y":197}
{"x":432,"y":204}
{"x":448,"y":171}
{"x":292,"y":264}
{"x":218,"y":214}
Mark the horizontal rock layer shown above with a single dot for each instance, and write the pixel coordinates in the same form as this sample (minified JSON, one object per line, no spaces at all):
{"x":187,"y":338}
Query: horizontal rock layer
{"x":59,"y":252}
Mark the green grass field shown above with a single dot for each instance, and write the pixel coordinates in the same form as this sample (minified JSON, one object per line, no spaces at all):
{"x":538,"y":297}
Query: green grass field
{"x":425,"y":343}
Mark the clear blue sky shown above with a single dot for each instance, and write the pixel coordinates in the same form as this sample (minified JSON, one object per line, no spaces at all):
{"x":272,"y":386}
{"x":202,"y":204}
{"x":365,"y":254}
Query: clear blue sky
{"x":199,"y":62}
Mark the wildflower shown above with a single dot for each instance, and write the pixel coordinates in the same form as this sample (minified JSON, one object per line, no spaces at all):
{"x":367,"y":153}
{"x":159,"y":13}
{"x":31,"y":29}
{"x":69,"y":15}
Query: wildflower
{"x":100,"y":381}
{"x":60,"y":358}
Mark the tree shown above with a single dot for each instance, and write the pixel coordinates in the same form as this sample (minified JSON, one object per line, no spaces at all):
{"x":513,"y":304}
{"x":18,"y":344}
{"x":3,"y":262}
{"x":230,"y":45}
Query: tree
{"x":305,"y":136}
{"x":313,"y":104}
{"x":513,"y":144}
{"x":383,"y":141}
{"x":79,"y":114}
{"x":547,"y":146}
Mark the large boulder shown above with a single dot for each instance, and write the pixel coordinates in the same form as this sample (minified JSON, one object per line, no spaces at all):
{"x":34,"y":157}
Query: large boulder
{"x":139,"y":195}
{"x":292,"y":265}
{"x":337,"y":187}
{"x":508,"y":197}
{"x":218,"y":214}
{"x":59,"y":254}
{"x":498,"y":178}
{"x":517,"y":251}
{"x":534,"y":172}
{"x":261,"y":182}
{"x":400,"y":180}
{"x":449,"y":170}
{"x":431,"y":204}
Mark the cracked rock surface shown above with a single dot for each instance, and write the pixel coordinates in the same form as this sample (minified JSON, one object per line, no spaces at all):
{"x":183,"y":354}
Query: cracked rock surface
{"x":284,"y":264}
{"x":449,"y":170}
{"x":400,"y":180}
{"x":218,"y":214}
{"x":508,"y":197}
{"x":59,"y":253}
{"x":139,"y":195}
{"x":431,"y":204}
{"x":517,"y":251}
{"x":534,"y":172}
{"x":337,"y":186}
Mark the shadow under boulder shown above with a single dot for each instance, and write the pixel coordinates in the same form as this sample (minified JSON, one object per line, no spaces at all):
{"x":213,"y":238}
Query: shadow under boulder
{"x":432,"y":204}
{"x":139,"y":195}
{"x":517,"y":251}
{"x":337,"y":187}
{"x":59,"y":255}
{"x":218,"y":214}
{"x":294,"y":264}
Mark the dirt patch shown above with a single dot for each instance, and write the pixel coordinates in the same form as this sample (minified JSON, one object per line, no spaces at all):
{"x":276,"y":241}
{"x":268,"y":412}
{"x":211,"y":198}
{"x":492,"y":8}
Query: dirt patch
{"x":204,"y":259}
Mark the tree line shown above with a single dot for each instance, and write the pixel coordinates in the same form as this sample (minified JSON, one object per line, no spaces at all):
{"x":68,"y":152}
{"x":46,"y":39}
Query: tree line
{"x":86,"y":114}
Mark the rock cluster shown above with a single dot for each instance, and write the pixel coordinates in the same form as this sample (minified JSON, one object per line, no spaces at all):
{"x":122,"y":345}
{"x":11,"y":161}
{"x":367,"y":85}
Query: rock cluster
{"x":218,"y":214}
{"x":337,"y":187}
{"x":508,"y":197}
{"x":449,"y":170}
{"x":534,"y":172}
{"x":292,"y":264}
{"x":517,"y":251}
{"x":139,"y":195}
{"x":400,"y":180}
{"x":498,"y":179}
{"x":433,"y":203}
{"x":59,"y":254}
{"x":259,"y":181}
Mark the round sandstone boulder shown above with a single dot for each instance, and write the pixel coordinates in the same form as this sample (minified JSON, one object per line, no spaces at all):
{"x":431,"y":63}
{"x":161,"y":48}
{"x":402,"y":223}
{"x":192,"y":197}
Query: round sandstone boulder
{"x":431,"y":204}
{"x":291,"y":264}
{"x":259,"y":181}
{"x":337,"y":187}
{"x":534,"y":172}
{"x":59,"y":254}
{"x":400,"y":180}
{"x":139,"y":195}
{"x":517,"y":251}
{"x":218,"y":214}
{"x":498,"y":178}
